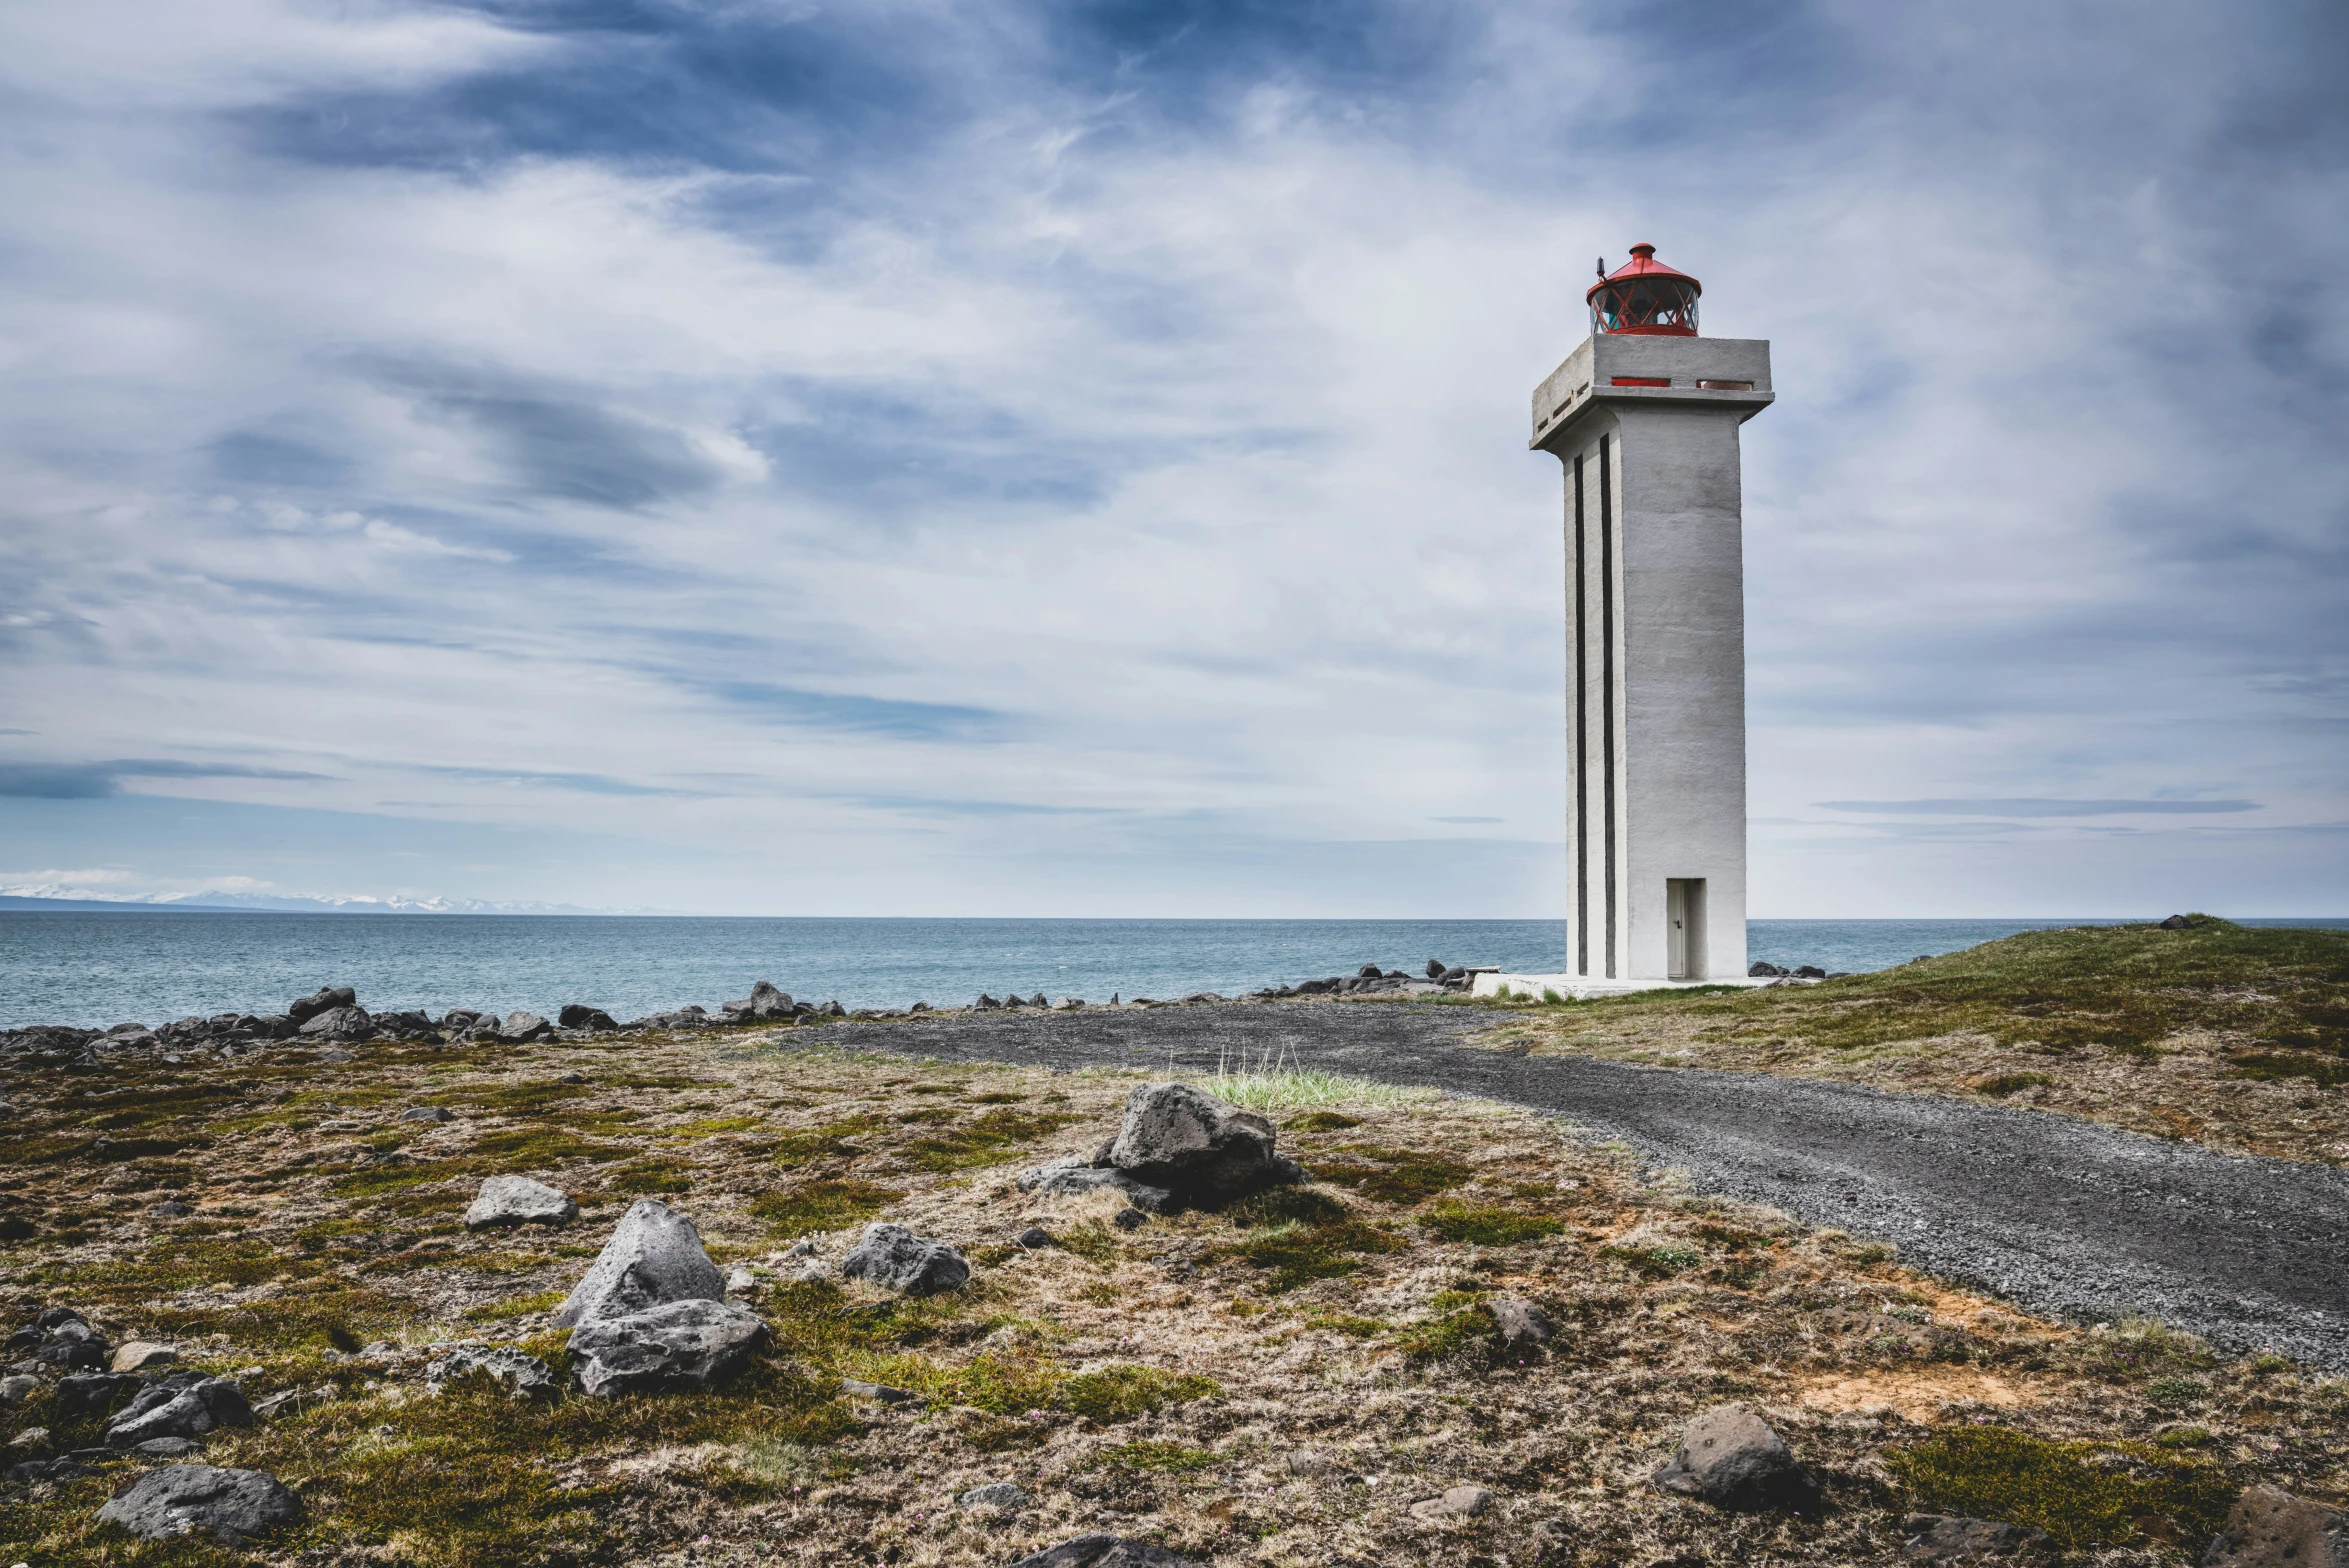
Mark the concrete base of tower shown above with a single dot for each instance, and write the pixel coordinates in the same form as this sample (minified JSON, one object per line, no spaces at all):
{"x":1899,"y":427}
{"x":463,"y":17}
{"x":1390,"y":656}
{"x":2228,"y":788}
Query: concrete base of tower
{"x":1582,"y":988}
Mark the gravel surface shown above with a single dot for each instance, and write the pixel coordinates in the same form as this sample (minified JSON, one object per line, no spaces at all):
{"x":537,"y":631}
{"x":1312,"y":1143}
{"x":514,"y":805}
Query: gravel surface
{"x":2062,"y":1217}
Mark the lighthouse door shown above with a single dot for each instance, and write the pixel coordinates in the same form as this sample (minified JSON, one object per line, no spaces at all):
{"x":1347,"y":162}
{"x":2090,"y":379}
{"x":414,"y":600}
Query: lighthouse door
{"x":1684,"y":926}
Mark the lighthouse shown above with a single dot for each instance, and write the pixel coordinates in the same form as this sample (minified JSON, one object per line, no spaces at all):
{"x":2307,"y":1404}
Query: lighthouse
{"x":1644,"y":419}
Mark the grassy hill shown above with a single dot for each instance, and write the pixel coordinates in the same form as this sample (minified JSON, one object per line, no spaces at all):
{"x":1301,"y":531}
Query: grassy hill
{"x":2225,"y":1035}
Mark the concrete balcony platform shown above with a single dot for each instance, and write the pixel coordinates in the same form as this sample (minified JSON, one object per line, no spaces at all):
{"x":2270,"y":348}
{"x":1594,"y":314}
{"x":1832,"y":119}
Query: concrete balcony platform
{"x":1582,"y":988}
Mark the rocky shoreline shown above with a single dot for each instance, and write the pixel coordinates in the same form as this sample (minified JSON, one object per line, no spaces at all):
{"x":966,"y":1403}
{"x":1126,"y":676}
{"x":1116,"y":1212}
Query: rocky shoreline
{"x":331,"y":1017}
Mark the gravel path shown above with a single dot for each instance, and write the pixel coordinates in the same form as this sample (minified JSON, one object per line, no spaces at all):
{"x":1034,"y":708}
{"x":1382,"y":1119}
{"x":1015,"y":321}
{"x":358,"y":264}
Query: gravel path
{"x":2061,"y":1217}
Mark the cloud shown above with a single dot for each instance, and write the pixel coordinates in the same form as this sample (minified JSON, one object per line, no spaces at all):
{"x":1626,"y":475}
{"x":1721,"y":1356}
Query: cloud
{"x":97,"y":780}
{"x":974,"y":450}
{"x":2041,"y":808}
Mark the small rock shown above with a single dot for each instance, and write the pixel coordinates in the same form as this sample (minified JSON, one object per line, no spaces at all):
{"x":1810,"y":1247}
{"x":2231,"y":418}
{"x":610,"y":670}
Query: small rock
{"x":186,"y":1404}
{"x":16,"y":1389}
{"x":521,"y":1027}
{"x":2176,"y":923}
{"x":1730,"y":1457}
{"x":896,"y":1259}
{"x":739,"y":1278}
{"x":1003,"y":1496}
{"x":427,"y":1113}
{"x":1129,"y":1219}
{"x":1763,"y":969}
{"x":576,"y":1015}
{"x":31,"y":1440}
{"x":340,"y":1023}
{"x":1104,"y":1551}
{"x":572,"y":1078}
{"x":36,"y":1470}
{"x":1459,"y":1502}
{"x":167,"y":1448}
{"x":1311,"y":1463}
{"x":1809,"y":972}
{"x":140,"y":1354}
{"x":335,"y":1057}
{"x":293,"y":1401}
{"x":178,"y":1500}
{"x":1203,"y":996}
{"x":764,"y":1002}
{"x":1944,"y":1538}
{"x":170,"y":1209}
{"x":517,"y":1200}
{"x":685,"y":1344}
{"x":985,"y":1004}
{"x":879,"y":1393}
{"x":655,"y":1257}
{"x":1070,"y":1175}
{"x":95,"y":1393}
{"x":1522,"y":1325}
{"x":1033,"y":1237}
{"x":802,"y":1248}
{"x":521,"y":1374}
{"x":2270,"y":1528}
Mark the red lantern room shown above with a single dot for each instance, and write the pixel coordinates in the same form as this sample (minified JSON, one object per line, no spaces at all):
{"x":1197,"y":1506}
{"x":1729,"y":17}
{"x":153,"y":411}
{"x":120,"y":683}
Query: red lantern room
{"x":1644,"y":297}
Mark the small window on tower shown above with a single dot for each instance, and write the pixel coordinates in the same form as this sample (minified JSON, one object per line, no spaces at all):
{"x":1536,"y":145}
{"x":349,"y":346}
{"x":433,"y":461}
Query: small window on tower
{"x":1643,"y":381}
{"x":1726,"y":386}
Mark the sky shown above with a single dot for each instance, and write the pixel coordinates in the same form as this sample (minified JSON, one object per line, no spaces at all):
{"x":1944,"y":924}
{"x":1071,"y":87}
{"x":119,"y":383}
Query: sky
{"x":920,"y":458}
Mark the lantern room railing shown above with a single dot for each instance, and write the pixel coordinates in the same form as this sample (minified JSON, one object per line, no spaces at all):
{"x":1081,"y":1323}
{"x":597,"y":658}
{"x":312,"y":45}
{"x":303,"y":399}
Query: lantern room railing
{"x":1665,"y":307}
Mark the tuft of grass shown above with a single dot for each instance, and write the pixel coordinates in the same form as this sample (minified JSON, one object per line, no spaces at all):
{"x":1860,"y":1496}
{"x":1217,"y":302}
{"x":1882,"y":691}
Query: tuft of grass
{"x":1656,"y":1260}
{"x":1451,"y":1336}
{"x":1121,"y":1393}
{"x":2174,"y":1392}
{"x":1301,"y":1236}
{"x":2004,"y":1084}
{"x":1489,"y":1226}
{"x":2082,"y":1493}
{"x":1155,"y":1454}
{"x":822,"y":1205}
{"x":1321,"y":1121}
{"x":516,"y":1306}
{"x":988,"y":1139}
{"x":2275,"y":1066}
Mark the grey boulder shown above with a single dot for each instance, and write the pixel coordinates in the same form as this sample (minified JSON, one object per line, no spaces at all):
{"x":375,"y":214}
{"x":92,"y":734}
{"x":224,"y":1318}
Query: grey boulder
{"x":685,"y":1344}
{"x":176,"y":1500}
{"x":2270,"y":1528}
{"x":1070,"y":1176}
{"x":1195,"y":1146}
{"x":521,"y":1027}
{"x":895,"y":1258}
{"x":325,"y":999}
{"x":93,"y":1393}
{"x":1732,"y":1458}
{"x":340,"y":1023}
{"x":764,"y":1002}
{"x":428,"y":1113}
{"x":1006,"y":1496}
{"x":186,"y":1404}
{"x":576,"y":1015}
{"x":517,"y":1200}
{"x":521,"y":1374}
{"x":1104,"y":1551}
{"x":655,"y":1257}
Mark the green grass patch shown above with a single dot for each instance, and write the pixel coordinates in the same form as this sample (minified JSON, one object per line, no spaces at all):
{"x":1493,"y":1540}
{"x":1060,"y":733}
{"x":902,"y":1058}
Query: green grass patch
{"x":832,"y":1141}
{"x":1123,"y":1392}
{"x":822,"y":1205}
{"x":2276,"y":1066}
{"x":987,"y":1139}
{"x":1399,"y":1176}
{"x":1321,"y":1121}
{"x":653,"y":1173}
{"x":1488,"y":1226}
{"x":516,"y":1306}
{"x":1155,"y":1454}
{"x":1298,"y":1252}
{"x":2081,"y":1493}
{"x":1655,"y":1260}
{"x":1449,"y":1336}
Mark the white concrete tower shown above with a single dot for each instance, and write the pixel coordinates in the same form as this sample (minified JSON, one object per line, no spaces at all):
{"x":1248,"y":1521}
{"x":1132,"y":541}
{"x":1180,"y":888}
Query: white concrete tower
{"x":1644,"y":416}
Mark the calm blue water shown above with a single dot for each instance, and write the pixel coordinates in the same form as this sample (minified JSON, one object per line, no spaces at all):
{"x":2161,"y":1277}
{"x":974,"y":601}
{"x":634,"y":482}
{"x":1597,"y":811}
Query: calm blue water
{"x":115,"y":966}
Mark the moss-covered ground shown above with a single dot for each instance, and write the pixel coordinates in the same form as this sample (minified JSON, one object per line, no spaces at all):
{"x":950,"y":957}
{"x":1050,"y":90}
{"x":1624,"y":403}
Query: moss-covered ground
{"x":2221,"y":1034}
{"x":1152,"y":1382}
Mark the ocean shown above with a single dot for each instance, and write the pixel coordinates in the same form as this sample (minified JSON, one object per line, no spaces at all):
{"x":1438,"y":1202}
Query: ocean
{"x":106,"y":967}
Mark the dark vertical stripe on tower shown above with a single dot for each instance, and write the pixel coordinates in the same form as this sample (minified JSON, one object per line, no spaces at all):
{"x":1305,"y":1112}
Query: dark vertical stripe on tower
{"x":1607,"y":673}
{"x":1581,"y":636}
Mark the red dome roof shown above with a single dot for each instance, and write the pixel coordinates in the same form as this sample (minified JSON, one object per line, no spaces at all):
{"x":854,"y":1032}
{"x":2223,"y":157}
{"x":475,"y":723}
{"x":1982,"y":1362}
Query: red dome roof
{"x":1643,"y":264}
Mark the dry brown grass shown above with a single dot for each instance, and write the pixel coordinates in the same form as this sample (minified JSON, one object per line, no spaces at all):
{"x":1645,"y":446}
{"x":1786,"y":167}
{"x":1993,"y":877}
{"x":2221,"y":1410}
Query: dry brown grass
{"x":1152,"y":1383}
{"x":2221,"y":1035}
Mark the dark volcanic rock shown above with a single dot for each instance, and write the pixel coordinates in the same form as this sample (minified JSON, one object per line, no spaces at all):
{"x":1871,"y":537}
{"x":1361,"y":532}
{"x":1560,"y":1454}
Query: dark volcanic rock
{"x":1730,"y":1457}
{"x":186,"y":1404}
{"x":1763,"y":969}
{"x":686,"y":1344}
{"x":521,"y":1374}
{"x":2176,"y":923}
{"x":655,"y":1257}
{"x":95,"y":1393}
{"x":2270,"y":1528}
{"x":228,"y":1505}
{"x":520,"y":1027}
{"x":577,"y":1015}
{"x":1520,"y":1324}
{"x":325,"y":999}
{"x":764,"y":1002}
{"x":340,"y":1023}
{"x":1071,"y":1174}
{"x":895,"y":1258}
{"x":1195,"y":1146}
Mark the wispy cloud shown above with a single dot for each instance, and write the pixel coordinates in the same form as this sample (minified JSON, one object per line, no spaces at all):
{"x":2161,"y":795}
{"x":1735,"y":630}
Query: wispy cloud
{"x":2032,"y":807}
